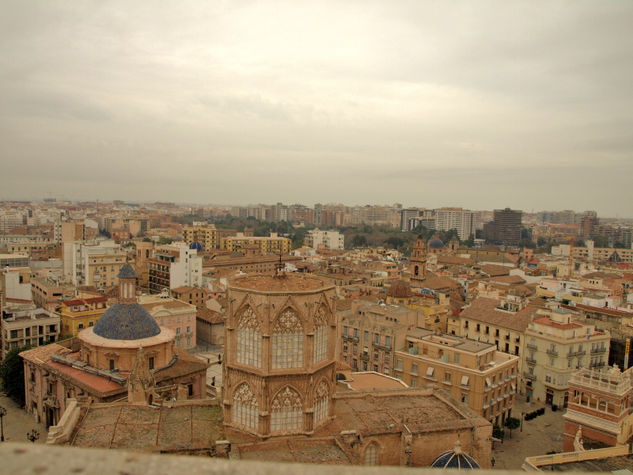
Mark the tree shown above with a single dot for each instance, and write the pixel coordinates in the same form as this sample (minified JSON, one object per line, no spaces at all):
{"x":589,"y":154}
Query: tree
{"x":359,"y":240}
{"x":394,"y":242}
{"x":512,"y":423}
{"x":12,"y":374}
{"x":165,"y":240}
{"x":498,"y":432}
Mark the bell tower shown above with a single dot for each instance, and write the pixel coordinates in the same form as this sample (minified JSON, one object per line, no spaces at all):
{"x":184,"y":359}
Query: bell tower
{"x":417,"y":268}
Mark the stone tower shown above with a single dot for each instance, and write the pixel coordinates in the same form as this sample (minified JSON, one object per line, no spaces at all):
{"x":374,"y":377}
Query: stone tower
{"x":417,"y":266}
{"x":279,"y":366}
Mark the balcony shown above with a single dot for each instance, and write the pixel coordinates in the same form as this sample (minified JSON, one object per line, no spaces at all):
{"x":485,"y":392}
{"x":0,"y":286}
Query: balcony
{"x":529,"y":360}
{"x":350,"y":338}
{"x":532,"y":346}
{"x":364,"y":356}
{"x":597,"y":351}
{"x":551,"y":352}
{"x":383,"y":346}
{"x":529,"y":376}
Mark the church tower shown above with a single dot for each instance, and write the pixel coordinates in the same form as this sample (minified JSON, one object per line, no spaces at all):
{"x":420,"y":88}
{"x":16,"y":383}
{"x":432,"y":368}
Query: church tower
{"x":417,"y":266}
{"x":279,"y":365}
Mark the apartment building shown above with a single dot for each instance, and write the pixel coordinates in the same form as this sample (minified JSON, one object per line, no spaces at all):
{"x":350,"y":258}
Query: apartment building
{"x":173,"y":314}
{"x":33,"y":327}
{"x":474,"y":372}
{"x":455,"y":218}
{"x":196,"y":296}
{"x":267,"y":245}
{"x":205,"y":234}
{"x":78,"y":313}
{"x":370,"y":333}
{"x":174,"y":266}
{"x":326,"y":239}
{"x":557,"y":345}
{"x":499,"y":322}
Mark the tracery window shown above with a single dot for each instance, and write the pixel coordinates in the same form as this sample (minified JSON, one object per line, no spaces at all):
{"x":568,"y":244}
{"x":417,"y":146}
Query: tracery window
{"x":287,"y":341}
{"x":371,"y":454}
{"x":322,"y":402}
{"x":245,"y":407}
{"x":249,"y":339}
{"x":320,"y":335}
{"x":286,"y":411}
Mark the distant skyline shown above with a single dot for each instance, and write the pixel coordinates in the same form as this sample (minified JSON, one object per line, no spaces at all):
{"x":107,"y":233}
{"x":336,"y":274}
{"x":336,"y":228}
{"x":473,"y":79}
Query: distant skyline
{"x":481,"y":105}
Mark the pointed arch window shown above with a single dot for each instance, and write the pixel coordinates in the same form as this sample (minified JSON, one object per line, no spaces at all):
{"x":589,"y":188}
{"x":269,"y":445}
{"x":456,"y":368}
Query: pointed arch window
{"x":249,"y":339}
{"x":245,"y":407}
{"x":286,"y":411}
{"x":371,"y":454}
{"x":287,"y":341}
{"x":321,"y":402}
{"x":320,"y":335}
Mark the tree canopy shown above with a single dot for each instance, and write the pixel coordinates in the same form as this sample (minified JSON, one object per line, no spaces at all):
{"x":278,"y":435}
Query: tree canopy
{"x":12,"y":375}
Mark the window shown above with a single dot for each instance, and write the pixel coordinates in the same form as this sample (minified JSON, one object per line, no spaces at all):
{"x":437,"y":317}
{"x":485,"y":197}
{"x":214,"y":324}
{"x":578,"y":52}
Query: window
{"x":414,"y":369}
{"x":388,"y":341}
{"x":399,"y":365}
{"x":429,"y":372}
{"x":345,"y":331}
{"x":245,"y":407}
{"x":414,"y":382}
{"x":320,"y":335}
{"x":286,"y":411}
{"x":151,"y":362}
{"x":456,"y":358}
{"x":249,"y":339}
{"x":112,"y":365}
{"x":81,"y":325}
{"x":322,"y":404}
{"x":478,"y":327}
{"x":371,"y":452}
{"x":365,"y":336}
{"x":376,"y":339}
{"x":465,"y":398}
{"x":465,"y":381}
{"x":447,"y":377}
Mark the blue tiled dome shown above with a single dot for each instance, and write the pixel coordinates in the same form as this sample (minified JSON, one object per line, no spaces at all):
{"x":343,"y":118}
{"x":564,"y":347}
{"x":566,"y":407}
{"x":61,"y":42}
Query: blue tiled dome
{"x":126,"y":322}
{"x":196,"y":245}
{"x":436,"y":243}
{"x":455,"y":459}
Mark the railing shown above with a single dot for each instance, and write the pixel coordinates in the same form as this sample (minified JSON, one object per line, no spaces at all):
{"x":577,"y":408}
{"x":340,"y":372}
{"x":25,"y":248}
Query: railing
{"x":532,"y":346}
{"x":529,"y":376}
{"x":596,"y":351}
{"x":529,"y":360}
{"x":551,"y":352}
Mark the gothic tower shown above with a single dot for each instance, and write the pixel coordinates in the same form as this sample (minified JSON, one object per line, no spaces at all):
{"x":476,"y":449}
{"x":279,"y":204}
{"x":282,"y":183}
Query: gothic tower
{"x":279,"y":367}
{"x":417,"y":267}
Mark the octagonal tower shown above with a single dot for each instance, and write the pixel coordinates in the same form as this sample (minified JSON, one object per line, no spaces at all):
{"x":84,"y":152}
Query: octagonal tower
{"x":279,"y":366}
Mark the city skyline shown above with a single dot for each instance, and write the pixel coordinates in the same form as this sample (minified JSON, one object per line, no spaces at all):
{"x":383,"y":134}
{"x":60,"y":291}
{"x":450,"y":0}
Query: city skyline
{"x":525,"y":105}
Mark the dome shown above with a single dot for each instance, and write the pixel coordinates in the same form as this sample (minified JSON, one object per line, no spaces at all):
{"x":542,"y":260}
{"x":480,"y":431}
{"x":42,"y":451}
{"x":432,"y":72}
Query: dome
{"x":126,"y":322}
{"x":127,"y":272}
{"x":400,"y":290}
{"x":436,"y":243}
{"x":455,"y":459}
{"x":196,"y":245}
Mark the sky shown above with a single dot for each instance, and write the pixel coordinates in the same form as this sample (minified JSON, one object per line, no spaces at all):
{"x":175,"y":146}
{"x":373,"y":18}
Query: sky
{"x":486,"y":104}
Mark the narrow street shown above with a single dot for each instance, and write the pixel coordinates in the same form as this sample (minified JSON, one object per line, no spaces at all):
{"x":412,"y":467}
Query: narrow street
{"x":17,"y":423}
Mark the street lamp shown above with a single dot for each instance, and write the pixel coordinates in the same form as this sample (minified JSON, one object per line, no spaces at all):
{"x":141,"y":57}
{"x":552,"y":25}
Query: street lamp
{"x":33,"y":435}
{"x":3,"y":412}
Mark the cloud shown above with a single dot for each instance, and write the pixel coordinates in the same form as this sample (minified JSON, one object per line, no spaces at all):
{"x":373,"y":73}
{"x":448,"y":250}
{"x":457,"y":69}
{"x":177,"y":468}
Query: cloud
{"x":482,"y":105}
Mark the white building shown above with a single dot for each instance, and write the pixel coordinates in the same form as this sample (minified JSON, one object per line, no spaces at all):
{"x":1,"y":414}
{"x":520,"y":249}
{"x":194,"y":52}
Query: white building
{"x":455,"y":218}
{"x":173,"y":266}
{"x":327,"y":239}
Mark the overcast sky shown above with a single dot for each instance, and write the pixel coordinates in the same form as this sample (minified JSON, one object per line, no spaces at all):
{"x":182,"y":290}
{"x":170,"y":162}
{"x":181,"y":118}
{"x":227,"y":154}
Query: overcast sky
{"x":475,"y":104}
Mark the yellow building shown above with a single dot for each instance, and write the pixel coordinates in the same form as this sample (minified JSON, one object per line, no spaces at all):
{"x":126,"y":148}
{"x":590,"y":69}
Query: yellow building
{"x":205,"y":234}
{"x":101,"y":270}
{"x":80,"y":313}
{"x":474,"y":372}
{"x":267,"y":245}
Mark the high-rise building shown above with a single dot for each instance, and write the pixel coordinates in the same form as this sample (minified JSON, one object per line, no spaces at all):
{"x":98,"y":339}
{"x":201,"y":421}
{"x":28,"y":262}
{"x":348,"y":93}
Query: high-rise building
{"x":455,"y":218}
{"x":205,"y":234}
{"x":505,"y":228}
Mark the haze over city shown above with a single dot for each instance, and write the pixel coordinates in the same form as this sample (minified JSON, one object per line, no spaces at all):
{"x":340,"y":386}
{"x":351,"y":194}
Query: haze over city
{"x":482,"y":105}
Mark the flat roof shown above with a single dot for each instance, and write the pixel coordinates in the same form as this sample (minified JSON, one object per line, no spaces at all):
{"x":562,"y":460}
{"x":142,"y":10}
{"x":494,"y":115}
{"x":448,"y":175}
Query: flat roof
{"x":150,"y":428}
{"x":371,"y":380}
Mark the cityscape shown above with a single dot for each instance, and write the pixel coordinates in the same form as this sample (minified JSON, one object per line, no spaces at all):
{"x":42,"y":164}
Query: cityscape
{"x":289,"y":237}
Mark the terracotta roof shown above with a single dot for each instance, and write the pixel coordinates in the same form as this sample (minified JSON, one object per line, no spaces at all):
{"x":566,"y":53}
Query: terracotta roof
{"x":70,"y":303}
{"x":88,"y":381}
{"x":184,"y":289}
{"x":549,"y":322}
{"x":493,"y":270}
{"x":209,"y":315}
{"x":186,"y":364}
{"x":485,"y":310}
{"x":603,"y":310}
{"x":508,"y":279}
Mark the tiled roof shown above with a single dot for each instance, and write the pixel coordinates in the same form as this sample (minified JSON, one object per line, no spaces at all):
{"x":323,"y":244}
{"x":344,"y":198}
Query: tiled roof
{"x":126,"y":322}
{"x":127,"y":272}
{"x":485,"y":310}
